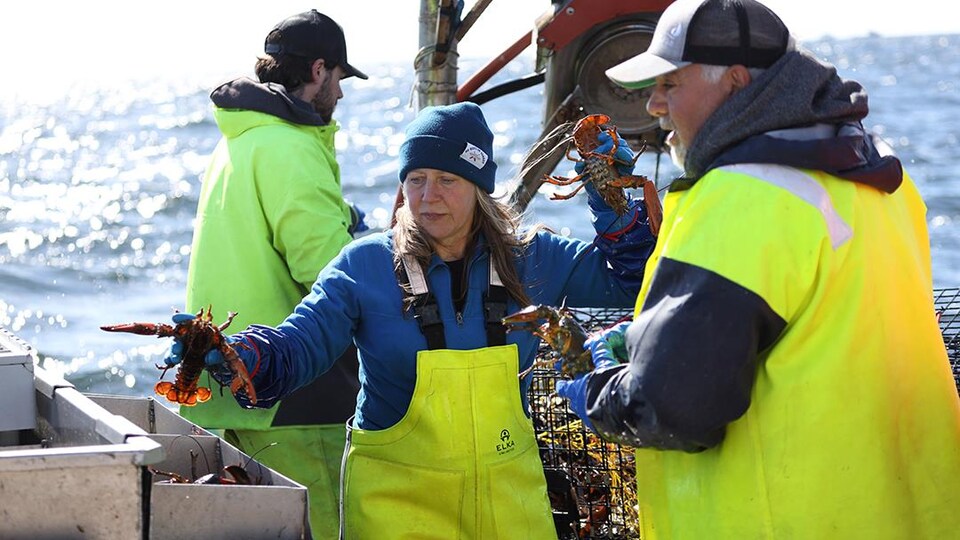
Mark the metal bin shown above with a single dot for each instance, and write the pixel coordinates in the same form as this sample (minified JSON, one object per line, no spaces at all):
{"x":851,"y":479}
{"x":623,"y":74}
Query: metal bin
{"x":273,"y":507}
{"x":76,"y":471}
{"x":16,"y":384}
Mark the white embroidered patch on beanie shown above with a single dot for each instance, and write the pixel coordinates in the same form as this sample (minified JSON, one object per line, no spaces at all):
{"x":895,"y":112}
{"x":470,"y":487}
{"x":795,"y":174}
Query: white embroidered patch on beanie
{"x":474,"y":156}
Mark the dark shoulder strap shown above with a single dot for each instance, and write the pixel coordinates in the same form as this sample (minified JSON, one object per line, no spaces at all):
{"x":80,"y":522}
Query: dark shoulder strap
{"x":425,"y":309}
{"x":427,"y":313}
{"x":495,"y":308}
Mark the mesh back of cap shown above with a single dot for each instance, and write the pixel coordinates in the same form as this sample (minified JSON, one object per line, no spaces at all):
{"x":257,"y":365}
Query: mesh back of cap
{"x":728,"y":32}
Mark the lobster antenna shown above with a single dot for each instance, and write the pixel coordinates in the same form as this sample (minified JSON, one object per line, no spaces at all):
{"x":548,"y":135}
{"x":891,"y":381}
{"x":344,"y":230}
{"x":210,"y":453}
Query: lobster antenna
{"x":251,"y":456}
{"x":579,"y":311}
{"x":195,"y":441}
{"x":563,"y":129}
{"x":259,"y":465}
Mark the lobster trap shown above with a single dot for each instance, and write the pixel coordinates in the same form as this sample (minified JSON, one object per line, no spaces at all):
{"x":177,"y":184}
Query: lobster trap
{"x":592,"y":483}
{"x":947,"y":304}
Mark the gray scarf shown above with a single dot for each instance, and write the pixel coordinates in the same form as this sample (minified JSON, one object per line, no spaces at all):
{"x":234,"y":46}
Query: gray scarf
{"x":797,"y":113}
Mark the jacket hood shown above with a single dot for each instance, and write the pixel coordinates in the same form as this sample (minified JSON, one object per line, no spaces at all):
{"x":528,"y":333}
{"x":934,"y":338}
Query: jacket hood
{"x":798,"y":113}
{"x":269,"y":98}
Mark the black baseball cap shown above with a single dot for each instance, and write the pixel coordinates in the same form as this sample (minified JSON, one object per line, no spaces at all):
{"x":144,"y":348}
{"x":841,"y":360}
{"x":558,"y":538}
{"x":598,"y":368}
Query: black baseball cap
{"x":716,"y":32}
{"x":311,"y":35}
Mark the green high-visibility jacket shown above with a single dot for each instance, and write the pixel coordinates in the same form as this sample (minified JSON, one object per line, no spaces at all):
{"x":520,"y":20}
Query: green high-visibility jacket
{"x":270,"y":216}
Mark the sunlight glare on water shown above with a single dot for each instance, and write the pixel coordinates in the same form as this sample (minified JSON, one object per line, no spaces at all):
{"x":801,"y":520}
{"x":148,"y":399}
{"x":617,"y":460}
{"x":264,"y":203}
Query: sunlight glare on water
{"x":99,"y":186}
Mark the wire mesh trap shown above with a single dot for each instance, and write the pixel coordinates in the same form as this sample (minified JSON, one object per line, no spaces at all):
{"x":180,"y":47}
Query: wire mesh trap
{"x":947,"y":304}
{"x":592,"y":483}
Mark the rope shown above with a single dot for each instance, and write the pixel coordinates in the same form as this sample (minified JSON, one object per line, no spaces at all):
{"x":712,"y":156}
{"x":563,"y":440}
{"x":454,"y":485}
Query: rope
{"x":426,"y":85}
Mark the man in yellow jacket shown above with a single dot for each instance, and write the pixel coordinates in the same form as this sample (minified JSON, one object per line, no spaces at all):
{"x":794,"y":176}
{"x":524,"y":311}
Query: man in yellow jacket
{"x":785,"y":376}
{"x":271,"y":215}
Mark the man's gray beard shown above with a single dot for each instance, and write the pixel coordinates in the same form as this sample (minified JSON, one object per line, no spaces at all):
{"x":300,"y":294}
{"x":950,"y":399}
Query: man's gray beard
{"x":678,"y":154}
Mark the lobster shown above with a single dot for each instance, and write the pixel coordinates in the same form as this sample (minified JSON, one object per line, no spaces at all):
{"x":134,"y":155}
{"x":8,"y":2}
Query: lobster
{"x":561,"y":331}
{"x":198,"y":335}
{"x":232,"y":474}
{"x":228,"y":475}
{"x":601,"y":169}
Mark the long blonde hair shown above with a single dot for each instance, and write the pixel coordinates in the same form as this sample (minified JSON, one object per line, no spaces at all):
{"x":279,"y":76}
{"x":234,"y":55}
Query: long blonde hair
{"x":500,"y":226}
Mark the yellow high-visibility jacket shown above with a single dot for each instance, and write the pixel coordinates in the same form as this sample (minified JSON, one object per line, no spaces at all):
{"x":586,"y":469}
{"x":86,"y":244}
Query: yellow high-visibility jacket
{"x":786,"y":359}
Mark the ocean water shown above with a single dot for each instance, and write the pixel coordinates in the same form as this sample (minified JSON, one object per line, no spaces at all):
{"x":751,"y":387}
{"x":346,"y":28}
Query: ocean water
{"x":98,"y":188}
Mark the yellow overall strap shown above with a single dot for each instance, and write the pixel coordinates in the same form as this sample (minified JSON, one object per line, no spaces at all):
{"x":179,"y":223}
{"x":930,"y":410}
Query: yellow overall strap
{"x":462,"y":463}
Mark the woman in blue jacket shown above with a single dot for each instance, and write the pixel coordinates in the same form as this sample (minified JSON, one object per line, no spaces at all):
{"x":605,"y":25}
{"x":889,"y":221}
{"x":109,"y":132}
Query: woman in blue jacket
{"x":441,"y":445}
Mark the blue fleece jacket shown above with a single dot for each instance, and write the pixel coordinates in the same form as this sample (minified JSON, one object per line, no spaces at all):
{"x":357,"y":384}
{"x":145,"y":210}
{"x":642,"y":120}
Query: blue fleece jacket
{"x":357,"y":297}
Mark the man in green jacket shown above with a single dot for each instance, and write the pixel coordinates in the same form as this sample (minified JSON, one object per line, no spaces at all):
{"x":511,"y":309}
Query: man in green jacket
{"x":271,"y":215}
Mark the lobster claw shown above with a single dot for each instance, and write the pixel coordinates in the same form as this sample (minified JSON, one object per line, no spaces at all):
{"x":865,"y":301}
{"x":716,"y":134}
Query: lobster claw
{"x":241,"y":378}
{"x":527,"y":314}
{"x":144,"y":329}
{"x":531,"y":314}
{"x":527,"y":318}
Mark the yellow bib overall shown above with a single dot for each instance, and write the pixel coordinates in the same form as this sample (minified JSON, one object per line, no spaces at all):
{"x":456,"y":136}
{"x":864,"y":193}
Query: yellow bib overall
{"x":462,"y":463}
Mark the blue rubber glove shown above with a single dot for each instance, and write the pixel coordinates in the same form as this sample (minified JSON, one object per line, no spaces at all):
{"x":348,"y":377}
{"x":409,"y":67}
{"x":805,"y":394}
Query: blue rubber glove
{"x":624,"y":155}
{"x":605,"y":350}
{"x":605,"y":220}
{"x":609,"y":347}
{"x":357,"y":225}
{"x":174,"y":357}
{"x":576,"y":393}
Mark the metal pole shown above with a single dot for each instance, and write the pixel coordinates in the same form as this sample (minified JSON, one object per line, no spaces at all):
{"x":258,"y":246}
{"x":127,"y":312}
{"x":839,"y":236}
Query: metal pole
{"x":436,"y":84}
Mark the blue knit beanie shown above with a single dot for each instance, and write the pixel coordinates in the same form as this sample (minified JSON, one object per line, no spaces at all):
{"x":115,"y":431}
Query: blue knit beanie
{"x":451,"y":138}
